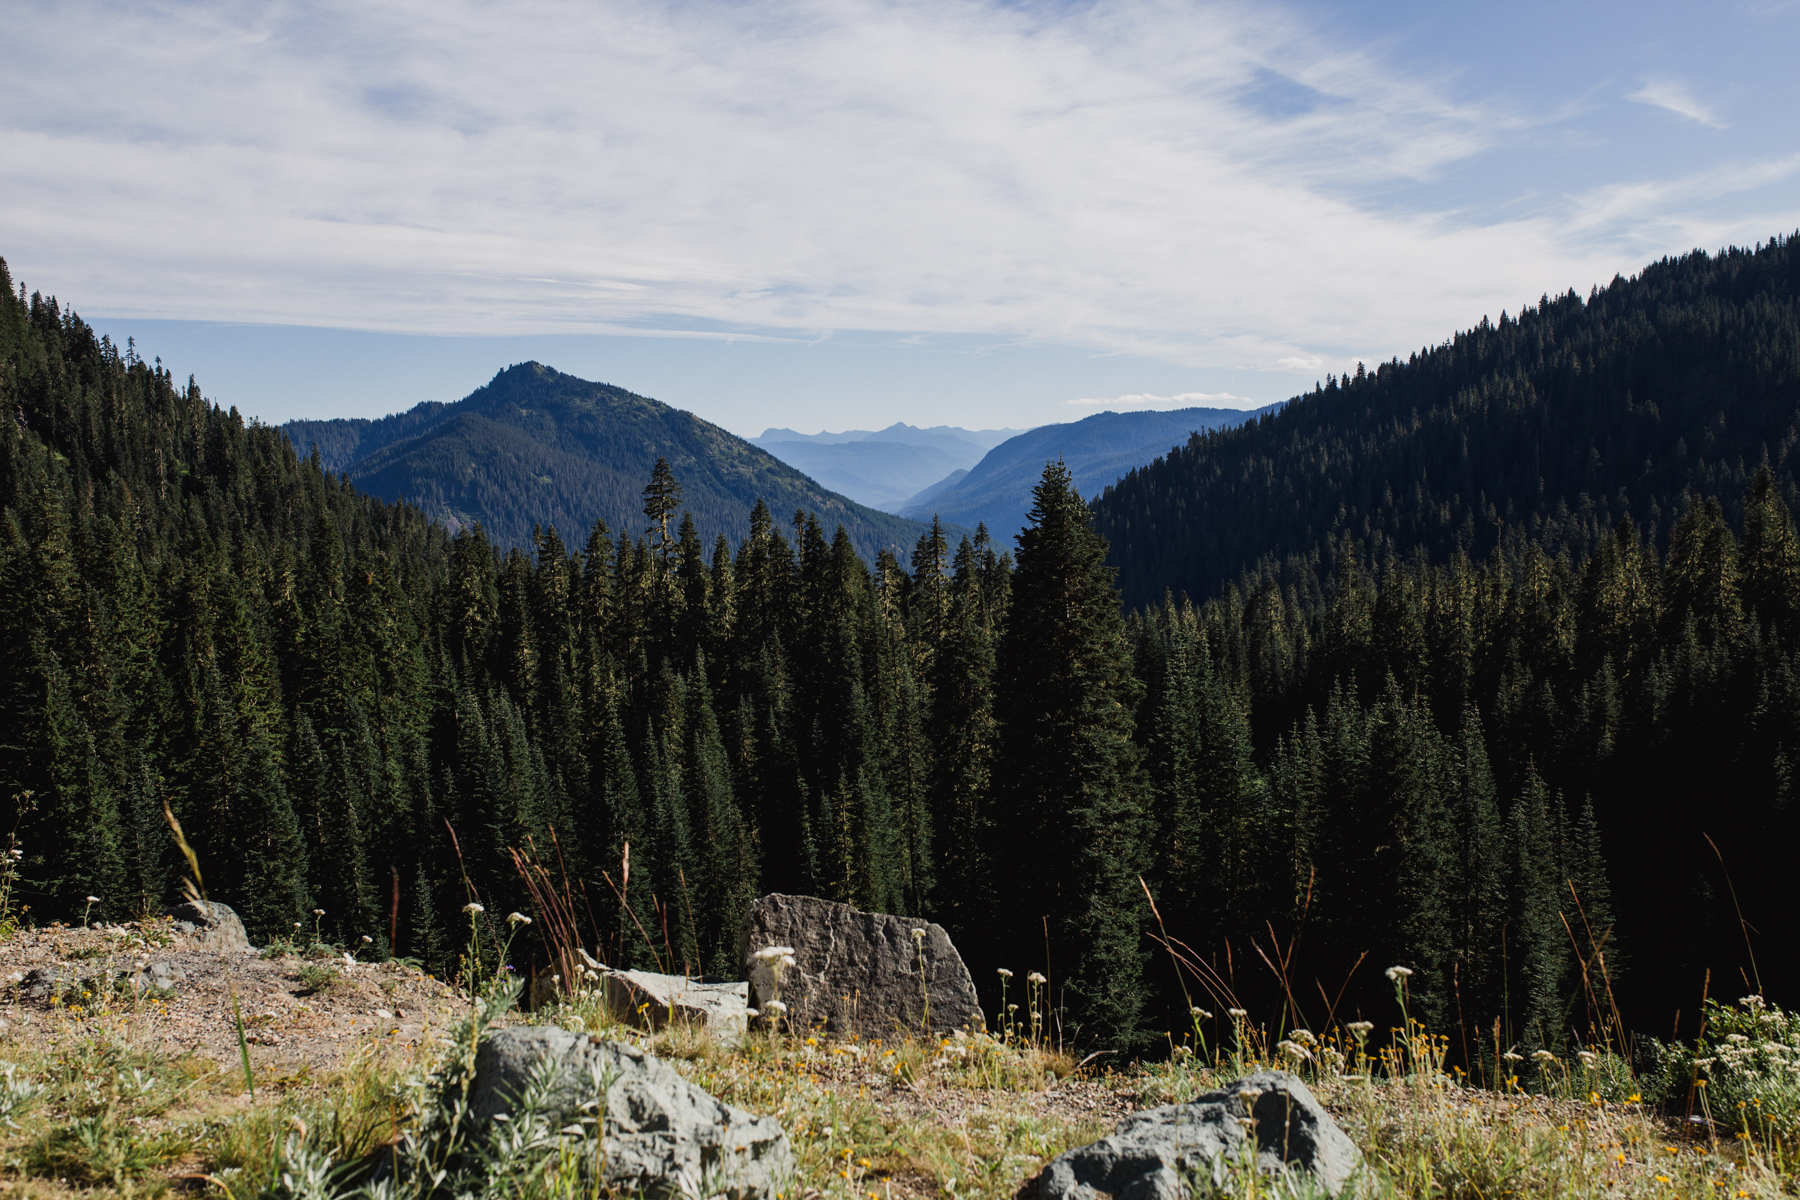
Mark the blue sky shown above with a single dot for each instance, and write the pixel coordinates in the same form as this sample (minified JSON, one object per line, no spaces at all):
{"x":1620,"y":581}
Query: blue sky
{"x":843,"y":213}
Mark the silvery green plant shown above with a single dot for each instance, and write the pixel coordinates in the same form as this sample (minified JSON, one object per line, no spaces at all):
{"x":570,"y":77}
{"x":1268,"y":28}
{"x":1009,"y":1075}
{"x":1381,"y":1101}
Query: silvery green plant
{"x":1744,"y":1070}
{"x":534,"y":1150}
{"x":16,"y":1095}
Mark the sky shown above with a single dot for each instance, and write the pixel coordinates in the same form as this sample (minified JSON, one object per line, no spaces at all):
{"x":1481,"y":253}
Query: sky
{"x":845,"y":213}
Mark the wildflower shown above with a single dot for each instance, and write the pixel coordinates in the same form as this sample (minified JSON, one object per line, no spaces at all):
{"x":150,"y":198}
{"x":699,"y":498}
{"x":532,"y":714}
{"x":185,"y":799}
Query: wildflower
{"x":318,"y":912}
{"x":1036,"y":977}
{"x":1236,"y":1014}
{"x":1395,"y":974}
{"x":768,"y":953}
{"x":93,"y":899}
{"x":297,"y":925}
{"x":919,"y":934}
{"x":1293,"y":1049}
{"x":1509,"y":1056}
{"x":1012,"y":1008}
{"x":775,"y":1006}
{"x":472,"y":908}
{"x":517,"y":918}
{"x":1303,"y":1036}
{"x":1361,"y":1028}
{"x":753,"y":1013}
{"x":1200,"y":1013}
{"x":1543,"y":1056}
{"x":1003,"y":973}
{"x":367,"y":940}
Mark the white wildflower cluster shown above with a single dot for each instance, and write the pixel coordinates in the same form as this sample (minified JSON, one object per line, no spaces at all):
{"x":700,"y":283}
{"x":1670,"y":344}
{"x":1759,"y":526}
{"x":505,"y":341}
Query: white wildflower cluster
{"x":1294,"y":1050}
{"x":1749,"y":1060}
{"x":780,"y":957}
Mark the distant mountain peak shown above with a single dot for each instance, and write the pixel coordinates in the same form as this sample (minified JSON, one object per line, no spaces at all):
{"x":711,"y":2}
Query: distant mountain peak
{"x":537,"y":446}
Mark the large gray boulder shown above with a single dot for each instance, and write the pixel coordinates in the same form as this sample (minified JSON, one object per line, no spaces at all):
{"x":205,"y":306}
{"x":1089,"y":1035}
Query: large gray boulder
{"x":212,"y":924}
{"x":856,"y":972}
{"x":662,"y":1136}
{"x":646,"y":1000}
{"x":1269,"y":1115}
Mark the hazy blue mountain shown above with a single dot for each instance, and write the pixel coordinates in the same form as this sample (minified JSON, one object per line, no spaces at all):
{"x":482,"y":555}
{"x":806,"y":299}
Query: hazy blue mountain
{"x":826,"y":437}
{"x":536,"y":446}
{"x":947,"y":482}
{"x":885,"y":468}
{"x":1098,"y":450}
{"x":899,"y":431}
{"x":883,"y":475}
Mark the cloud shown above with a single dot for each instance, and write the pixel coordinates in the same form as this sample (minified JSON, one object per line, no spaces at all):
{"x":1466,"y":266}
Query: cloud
{"x":1674,"y":96}
{"x":1184,"y":400}
{"x":1300,"y":362}
{"x":1102,"y":175}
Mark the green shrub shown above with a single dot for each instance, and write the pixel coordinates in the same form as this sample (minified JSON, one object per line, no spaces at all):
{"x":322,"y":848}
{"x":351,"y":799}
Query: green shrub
{"x":1744,"y":1069}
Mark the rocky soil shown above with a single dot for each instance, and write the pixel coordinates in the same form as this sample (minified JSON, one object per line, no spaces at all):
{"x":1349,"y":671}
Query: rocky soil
{"x":166,"y":991}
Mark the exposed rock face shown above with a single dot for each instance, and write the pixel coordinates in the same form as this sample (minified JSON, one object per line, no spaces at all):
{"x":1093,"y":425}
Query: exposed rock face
{"x":662,"y":1135}
{"x":1147,"y":1156}
{"x":212,"y":923}
{"x":857,"y":972}
{"x":651,"y":1001}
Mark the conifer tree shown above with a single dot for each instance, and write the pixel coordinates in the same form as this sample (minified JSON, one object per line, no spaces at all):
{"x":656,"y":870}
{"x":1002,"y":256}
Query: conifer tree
{"x":1070,"y":801}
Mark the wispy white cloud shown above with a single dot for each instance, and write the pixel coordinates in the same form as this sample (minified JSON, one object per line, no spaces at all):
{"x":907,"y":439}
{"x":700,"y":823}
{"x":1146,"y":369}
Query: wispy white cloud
{"x":1674,"y":96}
{"x":1089,"y":174}
{"x":1184,"y":400}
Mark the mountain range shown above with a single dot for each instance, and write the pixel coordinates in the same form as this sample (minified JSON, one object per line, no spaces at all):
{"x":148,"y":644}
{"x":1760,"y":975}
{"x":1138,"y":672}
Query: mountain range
{"x":890,"y":468}
{"x":535,"y":446}
{"x":1097,"y":450}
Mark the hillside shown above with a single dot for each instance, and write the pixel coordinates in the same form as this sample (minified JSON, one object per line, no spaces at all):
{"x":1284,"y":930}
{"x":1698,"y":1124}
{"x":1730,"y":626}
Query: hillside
{"x":1557,"y":422}
{"x":1097,"y":450}
{"x":535,"y":446}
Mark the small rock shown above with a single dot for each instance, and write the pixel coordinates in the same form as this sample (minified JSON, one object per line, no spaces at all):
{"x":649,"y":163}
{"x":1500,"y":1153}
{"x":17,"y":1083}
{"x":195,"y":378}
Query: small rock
{"x":646,"y":1000}
{"x":661,"y":1134}
{"x":857,"y":972}
{"x":1149,"y":1153}
{"x":43,"y":983}
{"x":214,"y":924}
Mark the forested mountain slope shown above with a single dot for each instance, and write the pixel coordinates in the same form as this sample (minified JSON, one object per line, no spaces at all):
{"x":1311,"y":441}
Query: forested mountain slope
{"x":1559,"y":422}
{"x":1550,"y":560}
{"x":537,"y":447}
{"x":1096,"y":449}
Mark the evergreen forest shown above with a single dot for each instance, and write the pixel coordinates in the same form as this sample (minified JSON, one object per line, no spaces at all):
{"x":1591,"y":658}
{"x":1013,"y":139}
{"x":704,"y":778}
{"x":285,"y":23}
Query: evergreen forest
{"x":1370,"y":739}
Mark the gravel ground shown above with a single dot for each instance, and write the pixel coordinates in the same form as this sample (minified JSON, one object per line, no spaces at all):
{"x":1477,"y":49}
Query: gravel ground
{"x":165,"y":991}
